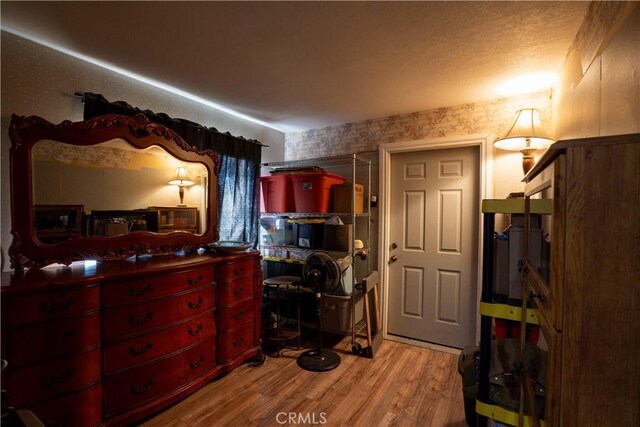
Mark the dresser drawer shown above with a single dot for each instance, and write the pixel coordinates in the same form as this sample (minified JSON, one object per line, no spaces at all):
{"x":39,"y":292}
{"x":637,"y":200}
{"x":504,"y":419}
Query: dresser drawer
{"x":553,"y":340}
{"x":51,"y":305}
{"x":232,"y":292}
{"x":135,"y":318}
{"x":25,"y":345}
{"x":141,"y":349}
{"x":538,"y":293}
{"x":155,"y":286}
{"x":82,"y":409}
{"x":136,"y":386}
{"x":30,"y":385}
{"x":236,"y":341}
{"x":236,"y":314}
{"x":236,"y":270}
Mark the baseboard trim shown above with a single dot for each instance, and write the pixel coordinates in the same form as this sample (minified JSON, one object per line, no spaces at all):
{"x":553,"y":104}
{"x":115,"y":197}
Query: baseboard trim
{"x":422,"y":344}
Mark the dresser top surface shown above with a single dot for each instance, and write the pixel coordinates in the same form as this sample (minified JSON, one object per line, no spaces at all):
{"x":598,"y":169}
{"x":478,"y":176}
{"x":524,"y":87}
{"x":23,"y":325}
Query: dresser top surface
{"x":562,"y":146}
{"x":88,"y":273}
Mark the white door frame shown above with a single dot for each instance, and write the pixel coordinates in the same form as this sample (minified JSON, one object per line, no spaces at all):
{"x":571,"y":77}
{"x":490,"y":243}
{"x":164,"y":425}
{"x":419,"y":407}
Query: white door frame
{"x":486,"y":191}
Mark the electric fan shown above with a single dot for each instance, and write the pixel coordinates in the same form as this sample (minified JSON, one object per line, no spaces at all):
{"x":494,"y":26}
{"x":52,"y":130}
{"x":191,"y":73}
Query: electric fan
{"x":321,"y":272}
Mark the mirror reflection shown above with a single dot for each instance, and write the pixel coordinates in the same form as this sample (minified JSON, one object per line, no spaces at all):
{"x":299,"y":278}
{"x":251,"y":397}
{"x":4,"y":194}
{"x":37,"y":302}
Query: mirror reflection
{"x":112,"y":188}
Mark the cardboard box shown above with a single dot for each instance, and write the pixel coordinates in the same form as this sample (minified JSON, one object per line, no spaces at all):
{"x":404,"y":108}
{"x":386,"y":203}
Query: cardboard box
{"x":112,"y":229}
{"x":338,"y":237}
{"x":342,"y":198}
{"x":310,"y":235}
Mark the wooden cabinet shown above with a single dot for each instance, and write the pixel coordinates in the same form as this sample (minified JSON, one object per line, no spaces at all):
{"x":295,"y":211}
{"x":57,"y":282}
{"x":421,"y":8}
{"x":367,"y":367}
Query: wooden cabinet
{"x":239,"y":292}
{"x":177,"y":219}
{"x":151,"y":287}
{"x":143,"y":348}
{"x":75,"y":410}
{"x":147,"y":342}
{"x":151,"y":315}
{"x":113,"y":343}
{"x":587,"y":300}
{"x":51,"y":340}
{"x":126,"y":389}
{"x":55,"y":223}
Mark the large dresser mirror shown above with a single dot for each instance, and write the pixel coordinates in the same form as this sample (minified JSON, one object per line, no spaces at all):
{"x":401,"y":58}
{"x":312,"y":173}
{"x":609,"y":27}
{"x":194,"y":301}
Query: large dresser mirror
{"x":107,"y":188}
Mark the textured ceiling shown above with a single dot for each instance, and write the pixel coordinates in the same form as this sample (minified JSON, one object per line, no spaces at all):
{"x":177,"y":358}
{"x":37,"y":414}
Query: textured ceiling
{"x":301,"y":65}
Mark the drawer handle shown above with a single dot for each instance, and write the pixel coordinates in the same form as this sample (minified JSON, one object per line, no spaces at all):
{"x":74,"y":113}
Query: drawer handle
{"x":194,"y":365}
{"x":47,"y":308}
{"x":238,"y":291}
{"x":533,"y":295}
{"x":238,"y":271}
{"x":145,"y":387}
{"x":239,"y":315}
{"x":522,"y":267}
{"x":237,"y":343}
{"x":193,"y":332}
{"x":137,"y":351}
{"x":50,"y":381}
{"x":193,"y":306}
{"x":138,"y":292}
{"x":137,"y":321}
{"x":192,"y":282}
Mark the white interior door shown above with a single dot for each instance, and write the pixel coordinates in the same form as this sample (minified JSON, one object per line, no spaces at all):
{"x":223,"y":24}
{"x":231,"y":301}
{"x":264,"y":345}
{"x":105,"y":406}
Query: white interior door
{"x":433,"y":235}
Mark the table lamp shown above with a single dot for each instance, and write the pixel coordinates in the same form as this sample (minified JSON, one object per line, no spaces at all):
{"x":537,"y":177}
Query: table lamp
{"x":181,"y":180}
{"x":526,"y":135}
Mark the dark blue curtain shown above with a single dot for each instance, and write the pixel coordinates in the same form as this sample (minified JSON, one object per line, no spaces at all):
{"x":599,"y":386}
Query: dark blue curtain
{"x":239,"y":205}
{"x":239,"y":178}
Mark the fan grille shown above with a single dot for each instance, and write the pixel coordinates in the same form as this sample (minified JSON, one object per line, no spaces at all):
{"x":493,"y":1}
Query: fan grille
{"x":321,"y":272}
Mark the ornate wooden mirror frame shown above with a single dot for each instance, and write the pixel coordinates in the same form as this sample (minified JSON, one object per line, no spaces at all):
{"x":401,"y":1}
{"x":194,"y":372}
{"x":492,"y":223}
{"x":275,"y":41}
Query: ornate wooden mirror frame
{"x":27,"y":251}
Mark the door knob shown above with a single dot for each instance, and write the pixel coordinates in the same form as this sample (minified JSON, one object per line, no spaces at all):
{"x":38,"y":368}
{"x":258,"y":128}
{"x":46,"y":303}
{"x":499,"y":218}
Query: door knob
{"x":394,"y":258}
{"x":394,"y":246}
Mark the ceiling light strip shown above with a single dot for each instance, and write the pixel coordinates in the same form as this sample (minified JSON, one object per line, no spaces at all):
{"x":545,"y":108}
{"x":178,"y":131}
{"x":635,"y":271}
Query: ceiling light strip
{"x":140,"y":78}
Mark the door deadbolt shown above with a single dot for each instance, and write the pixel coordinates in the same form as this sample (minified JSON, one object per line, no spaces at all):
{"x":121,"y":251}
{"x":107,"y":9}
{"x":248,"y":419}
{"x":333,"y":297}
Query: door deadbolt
{"x":394,"y":246}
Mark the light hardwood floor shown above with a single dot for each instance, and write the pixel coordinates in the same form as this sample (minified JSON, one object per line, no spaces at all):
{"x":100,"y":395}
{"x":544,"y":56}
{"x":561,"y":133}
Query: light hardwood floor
{"x":403,"y":385}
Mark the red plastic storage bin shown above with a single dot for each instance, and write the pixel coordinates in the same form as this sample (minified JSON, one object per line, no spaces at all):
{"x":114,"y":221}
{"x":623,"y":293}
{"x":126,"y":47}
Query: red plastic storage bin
{"x":312,"y":190}
{"x":277,"y":191}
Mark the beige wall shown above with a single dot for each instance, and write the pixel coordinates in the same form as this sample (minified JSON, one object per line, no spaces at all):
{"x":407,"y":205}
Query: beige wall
{"x":599,"y":90}
{"x":598,"y":93}
{"x":37,"y":80}
{"x":56,"y":183}
{"x":490,"y":118}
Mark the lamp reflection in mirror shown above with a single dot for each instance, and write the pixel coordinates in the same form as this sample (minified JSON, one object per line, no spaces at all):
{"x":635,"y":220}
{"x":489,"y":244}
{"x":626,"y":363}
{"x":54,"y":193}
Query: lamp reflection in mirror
{"x":526,"y":135}
{"x":181,"y":180}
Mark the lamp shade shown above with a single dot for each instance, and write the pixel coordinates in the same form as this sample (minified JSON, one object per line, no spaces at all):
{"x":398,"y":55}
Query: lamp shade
{"x":181,"y":179}
{"x":526,"y":133}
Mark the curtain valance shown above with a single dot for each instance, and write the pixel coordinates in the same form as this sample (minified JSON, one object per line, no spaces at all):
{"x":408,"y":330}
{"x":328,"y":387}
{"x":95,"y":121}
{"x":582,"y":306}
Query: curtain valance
{"x":193,"y":133}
